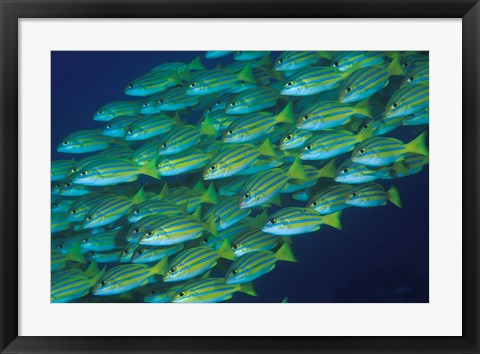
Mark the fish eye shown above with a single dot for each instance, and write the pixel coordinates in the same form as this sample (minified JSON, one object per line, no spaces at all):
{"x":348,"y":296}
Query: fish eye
{"x":218,"y":103}
{"x":139,"y":251}
{"x":233,"y":273}
{"x":365,"y":126}
{"x":361,"y":151}
{"x":232,"y":104}
{"x":100,"y":112}
{"x":308,"y":147}
{"x":272,"y":221}
{"x":136,"y":231}
{"x":160,"y":101}
{"x":280,"y":61}
{"x":164,"y":145}
{"x":345,"y":170}
{"x":152,"y":292}
{"x":91,"y":253}
{"x":172,"y":270}
{"x":146,"y":104}
{"x":213,"y":167}
{"x":246,"y":196}
{"x":289,"y":84}
{"x":348,"y":89}
{"x":74,"y":169}
{"x":130,"y":86}
{"x":205,"y":240}
{"x":305,"y":117}
{"x":149,"y":233}
{"x":193,"y":84}
{"x":136,"y":211}
{"x":209,"y":110}
{"x":109,"y":126}
{"x":404,"y":65}
{"x":54,"y":205}
{"x":354,"y":195}
{"x":394,"y":105}
{"x":336,"y":64}
{"x":125,"y":251}
{"x":410,"y":79}
{"x":84,"y":173}
{"x":85,"y":240}
{"x":289,"y":137}
{"x":88,"y":218}
{"x":73,"y":211}
{"x":314,"y":203}
{"x":234,"y":247}
{"x":68,"y":184}
{"x":59,"y":246}
{"x":103,"y":283}
{"x":230,"y":132}
{"x":239,"y":52}
{"x":182,"y":294}
{"x":130,"y":131}
{"x":66,"y":142}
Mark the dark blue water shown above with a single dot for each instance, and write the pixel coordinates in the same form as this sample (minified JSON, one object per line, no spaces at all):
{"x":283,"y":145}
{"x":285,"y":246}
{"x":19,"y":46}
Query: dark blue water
{"x":381,"y":255}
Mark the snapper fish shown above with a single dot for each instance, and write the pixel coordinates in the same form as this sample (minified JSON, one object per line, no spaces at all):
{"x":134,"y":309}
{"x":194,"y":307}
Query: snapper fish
{"x":209,"y":290}
{"x":383,"y":151}
{"x":344,"y":61}
{"x":311,"y":81}
{"x":117,"y":109}
{"x":295,"y":60}
{"x":371,"y":195}
{"x":84,"y":141}
{"x":255,"y":264}
{"x":294,"y":221}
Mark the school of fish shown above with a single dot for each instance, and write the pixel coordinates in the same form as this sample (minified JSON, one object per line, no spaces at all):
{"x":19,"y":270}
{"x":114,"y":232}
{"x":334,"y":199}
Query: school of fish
{"x":184,"y":192}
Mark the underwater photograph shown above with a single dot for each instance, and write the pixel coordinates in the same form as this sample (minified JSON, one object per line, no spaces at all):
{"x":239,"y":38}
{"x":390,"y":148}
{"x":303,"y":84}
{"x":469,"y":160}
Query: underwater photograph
{"x":239,"y":177}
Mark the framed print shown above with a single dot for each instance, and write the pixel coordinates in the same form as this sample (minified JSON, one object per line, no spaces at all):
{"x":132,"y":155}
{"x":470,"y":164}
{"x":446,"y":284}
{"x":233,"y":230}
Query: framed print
{"x":250,"y":177}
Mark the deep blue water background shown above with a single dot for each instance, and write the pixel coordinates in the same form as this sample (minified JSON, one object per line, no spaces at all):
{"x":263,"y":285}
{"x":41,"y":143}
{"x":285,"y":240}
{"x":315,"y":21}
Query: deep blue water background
{"x":381,"y":255}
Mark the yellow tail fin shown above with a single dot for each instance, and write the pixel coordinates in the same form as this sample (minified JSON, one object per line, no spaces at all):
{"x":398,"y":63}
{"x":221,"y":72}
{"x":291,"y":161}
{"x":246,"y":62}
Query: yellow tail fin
{"x":286,"y":114}
{"x":418,"y":145}
{"x":296,"y":170}
{"x":329,"y":170}
{"x":394,"y":196}
{"x":248,"y":289}
{"x":267,"y":148}
{"x":150,"y":169}
{"x":333,"y":220}
{"x":160,"y":267}
{"x":139,"y":197}
{"x":225,"y":251}
{"x":285,"y":253}
{"x":196,"y":64}
{"x":247,"y":75}
{"x":210,"y":196}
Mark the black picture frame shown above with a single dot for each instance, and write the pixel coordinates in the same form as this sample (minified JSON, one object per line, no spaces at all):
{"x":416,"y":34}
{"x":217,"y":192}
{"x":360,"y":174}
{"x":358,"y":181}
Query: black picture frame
{"x":12,"y":10}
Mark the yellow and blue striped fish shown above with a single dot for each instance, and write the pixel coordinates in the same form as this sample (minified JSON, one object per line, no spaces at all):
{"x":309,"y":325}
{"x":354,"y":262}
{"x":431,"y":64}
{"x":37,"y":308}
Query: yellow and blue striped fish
{"x":152,"y":83}
{"x":254,"y":240}
{"x":110,"y":209}
{"x":146,"y":254}
{"x":226,"y":213}
{"x":372,"y":195}
{"x":117,"y":109}
{"x":111,"y":171}
{"x":417,"y":75}
{"x":331,"y":143}
{"x":60,"y":169}
{"x":327,"y":115}
{"x":407,"y":100}
{"x":219,"y":80}
{"x":330,"y":199}
{"x":126,"y":277}
{"x":81,"y":206}
{"x":196,"y":261}
{"x":255,"y":264}
{"x":312,"y":81}
{"x":294,"y":60}
{"x":146,"y":154}
{"x":294,"y":221}
{"x":249,"y":55}
{"x":210,"y":290}
{"x":117,"y":127}
{"x":184,"y":162}
{"x":178,"y":140}
{"x":166,"y":231}
{"x":294,"y":138}
{"x":84,"y":141}
{"x":153,"y":207}
{"x":383,"y":151}
{"x":365,"y":82}
{"x":253,"y":100}
{"x":344,"y":61}
{"x":256,"y":126}
{"x":106,"y":241}
{"x":174,"y":100}
{"x":149,"y":127}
